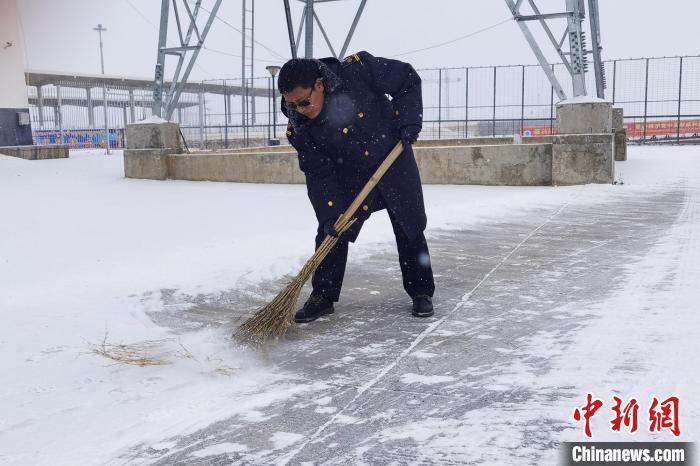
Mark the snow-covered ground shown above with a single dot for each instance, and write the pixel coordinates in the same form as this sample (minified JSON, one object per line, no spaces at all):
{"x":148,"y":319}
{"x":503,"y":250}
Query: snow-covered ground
{"x":85,"y":253}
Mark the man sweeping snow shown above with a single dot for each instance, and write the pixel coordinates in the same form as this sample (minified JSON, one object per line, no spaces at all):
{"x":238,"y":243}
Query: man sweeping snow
{"x":342,"y":125}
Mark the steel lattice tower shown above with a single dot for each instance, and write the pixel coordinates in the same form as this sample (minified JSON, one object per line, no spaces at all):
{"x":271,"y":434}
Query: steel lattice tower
{"x":576,"y":58}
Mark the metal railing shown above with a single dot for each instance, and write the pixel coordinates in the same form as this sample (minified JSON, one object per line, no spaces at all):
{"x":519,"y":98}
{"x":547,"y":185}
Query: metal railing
{"x":73,"y":114}
{"x":660,"y":98}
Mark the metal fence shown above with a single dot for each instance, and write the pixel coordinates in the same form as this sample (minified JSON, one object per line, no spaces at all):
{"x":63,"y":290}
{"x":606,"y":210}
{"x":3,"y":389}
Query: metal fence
{"x":231,"y":120}
{"x":660,"y":98}
{"x":73,"y":113}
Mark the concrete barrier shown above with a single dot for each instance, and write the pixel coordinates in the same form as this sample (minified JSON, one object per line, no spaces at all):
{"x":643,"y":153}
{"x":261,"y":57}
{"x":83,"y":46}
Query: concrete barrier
{"x":59,"y":151}
{"x":618,"y":126}
{"x":510,"y":164}
{"x":621,"y":145}
{"x":481,"y":141}
{"x":564,"y":159}
{"x":581,"y":116}
{"x":517,"y":165}
{"x":266,"y":149}
{"x":158,"y":134}
{"x":151,"y":164}
{"x":148,"y":145}
{"x":242,"y":167}
{"x":582,"y":158}
{"x":583,"y":152}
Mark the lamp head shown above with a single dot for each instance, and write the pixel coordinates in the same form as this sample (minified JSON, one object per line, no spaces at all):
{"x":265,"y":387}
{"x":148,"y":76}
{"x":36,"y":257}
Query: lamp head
{"x":273,"y":69}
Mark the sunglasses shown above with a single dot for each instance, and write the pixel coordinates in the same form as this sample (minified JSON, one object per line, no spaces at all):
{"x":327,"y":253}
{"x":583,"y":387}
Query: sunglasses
{"x":302,"y":103}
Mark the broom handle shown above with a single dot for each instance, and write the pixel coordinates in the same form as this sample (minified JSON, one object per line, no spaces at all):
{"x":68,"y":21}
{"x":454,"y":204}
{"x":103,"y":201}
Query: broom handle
{"x":374,"y":179}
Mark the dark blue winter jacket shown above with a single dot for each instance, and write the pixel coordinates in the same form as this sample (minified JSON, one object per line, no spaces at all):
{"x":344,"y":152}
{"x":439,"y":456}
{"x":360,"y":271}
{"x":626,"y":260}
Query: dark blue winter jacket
{"x":358,"y":126}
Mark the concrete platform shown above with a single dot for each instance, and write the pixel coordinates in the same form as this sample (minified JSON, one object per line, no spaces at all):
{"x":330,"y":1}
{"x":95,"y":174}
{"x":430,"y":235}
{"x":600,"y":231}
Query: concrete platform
{"x":509,"y":164}
{"x":494,"y":376}
{"x":58,"y":151}
{"x":559,"y":160}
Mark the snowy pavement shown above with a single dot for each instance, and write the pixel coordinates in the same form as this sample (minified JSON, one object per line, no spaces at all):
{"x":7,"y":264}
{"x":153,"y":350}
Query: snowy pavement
{"x":543,"y":295}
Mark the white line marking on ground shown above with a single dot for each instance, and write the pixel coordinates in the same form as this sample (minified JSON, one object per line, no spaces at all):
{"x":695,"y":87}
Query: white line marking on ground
{"x":363,"y":388}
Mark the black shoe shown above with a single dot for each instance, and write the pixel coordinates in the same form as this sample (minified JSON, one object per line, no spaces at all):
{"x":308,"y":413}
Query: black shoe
{"x":422,"y":306}
{"x":315,"y":307}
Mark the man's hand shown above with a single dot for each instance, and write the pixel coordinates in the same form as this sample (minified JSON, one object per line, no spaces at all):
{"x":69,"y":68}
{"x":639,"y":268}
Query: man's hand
{"x":409,"y":134}
{"x":329,"y":228}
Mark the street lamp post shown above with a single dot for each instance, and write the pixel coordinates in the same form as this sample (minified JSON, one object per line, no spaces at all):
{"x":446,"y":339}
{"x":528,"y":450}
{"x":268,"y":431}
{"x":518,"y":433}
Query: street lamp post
{"x":99,"y":30}
{"x":273,"y":69}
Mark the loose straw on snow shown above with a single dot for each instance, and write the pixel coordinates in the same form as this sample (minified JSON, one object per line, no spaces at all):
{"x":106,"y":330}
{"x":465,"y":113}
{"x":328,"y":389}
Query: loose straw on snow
{"x":273,"y":319}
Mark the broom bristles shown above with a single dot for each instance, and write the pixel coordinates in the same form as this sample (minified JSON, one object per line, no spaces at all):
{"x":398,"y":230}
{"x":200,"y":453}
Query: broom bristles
{"x":273,"y":319}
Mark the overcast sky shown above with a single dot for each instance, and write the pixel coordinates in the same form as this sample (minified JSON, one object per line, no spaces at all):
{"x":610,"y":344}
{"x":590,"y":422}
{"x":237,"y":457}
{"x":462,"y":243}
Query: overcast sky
{"x":59,"y":35}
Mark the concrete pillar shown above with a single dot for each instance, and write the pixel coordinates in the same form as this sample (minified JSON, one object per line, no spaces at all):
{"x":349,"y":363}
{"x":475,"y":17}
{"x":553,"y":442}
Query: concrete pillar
{"x":91,"y":113}
{"x":618,"y":118}
{"x":584,"y":116}
{"x":582,"y":152}
{"x":147,"y":148}
{"x":618,"y":124}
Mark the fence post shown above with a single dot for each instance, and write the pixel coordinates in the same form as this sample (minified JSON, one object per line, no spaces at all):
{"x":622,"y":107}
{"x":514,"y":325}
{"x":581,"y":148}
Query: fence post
{"x":244,"y":121}
{"x":522,"y":101}
{"x":105,"y":107}
{"x":466,"y":105}
{"x":646,"y":99}
{"x":613,"y":80}
{"x":226,"y":111}
{"x":59,"y":104}
{"x":201,"y":119}
{"x":40,"y":105}
{"x":91,"y":113}
{"x":269,"y":109}
{"x":551,"y":107}
{"x":680,"y":90}
{"x":132,"y":110}
{"x":493,"y":132}
{"x":440,"y":103}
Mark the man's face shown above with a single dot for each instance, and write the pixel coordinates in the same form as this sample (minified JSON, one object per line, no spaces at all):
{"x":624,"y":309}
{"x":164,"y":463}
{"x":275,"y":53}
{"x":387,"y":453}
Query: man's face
{"x":305,"y":100}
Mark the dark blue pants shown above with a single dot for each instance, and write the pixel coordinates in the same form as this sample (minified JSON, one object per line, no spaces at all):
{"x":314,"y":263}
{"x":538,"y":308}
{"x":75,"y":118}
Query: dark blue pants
{"x":414,"y":259}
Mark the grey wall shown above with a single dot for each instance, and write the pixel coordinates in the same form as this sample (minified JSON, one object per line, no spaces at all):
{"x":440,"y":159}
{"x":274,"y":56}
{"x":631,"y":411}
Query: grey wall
{"x":11,"y":133}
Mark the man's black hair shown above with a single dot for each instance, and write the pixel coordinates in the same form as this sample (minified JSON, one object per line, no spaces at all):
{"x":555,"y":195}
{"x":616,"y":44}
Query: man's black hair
{"x":298,"y":72}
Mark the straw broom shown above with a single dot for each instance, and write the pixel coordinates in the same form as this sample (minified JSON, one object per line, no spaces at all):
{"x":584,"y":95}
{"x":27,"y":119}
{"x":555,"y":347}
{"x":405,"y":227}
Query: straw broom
{"x":273,"y":319}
